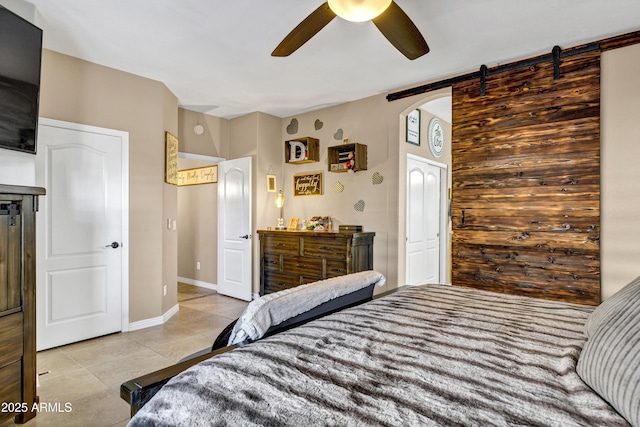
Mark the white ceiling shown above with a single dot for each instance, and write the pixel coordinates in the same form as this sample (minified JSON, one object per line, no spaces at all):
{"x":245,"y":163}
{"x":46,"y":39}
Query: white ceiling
{"x":214,"y":55}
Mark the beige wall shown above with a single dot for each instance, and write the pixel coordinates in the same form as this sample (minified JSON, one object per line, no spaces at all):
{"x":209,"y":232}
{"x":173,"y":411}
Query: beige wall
{"x":620,"y":174}
{"x":170,"y":210}
{"x":213,"y":142}
{"x":81,"y":92}
{"x":380,"y":125}
{"x":368,"y":121}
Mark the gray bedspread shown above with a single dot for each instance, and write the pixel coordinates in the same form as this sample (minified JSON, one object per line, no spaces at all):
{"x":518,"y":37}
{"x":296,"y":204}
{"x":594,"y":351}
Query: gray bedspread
{"x":428,"y":355}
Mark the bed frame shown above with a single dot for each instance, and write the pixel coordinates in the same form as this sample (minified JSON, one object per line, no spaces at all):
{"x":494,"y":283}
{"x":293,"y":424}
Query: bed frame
{"x":138,"y":391}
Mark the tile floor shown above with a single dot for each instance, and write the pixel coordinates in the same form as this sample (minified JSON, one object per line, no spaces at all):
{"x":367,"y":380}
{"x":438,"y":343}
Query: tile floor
{"x":85,"y":377}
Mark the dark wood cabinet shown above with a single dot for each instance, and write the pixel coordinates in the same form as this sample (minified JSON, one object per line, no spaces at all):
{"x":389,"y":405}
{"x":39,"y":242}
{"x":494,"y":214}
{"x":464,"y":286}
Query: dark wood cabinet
{"x":18,"y":206}
{"x":293,"y":258}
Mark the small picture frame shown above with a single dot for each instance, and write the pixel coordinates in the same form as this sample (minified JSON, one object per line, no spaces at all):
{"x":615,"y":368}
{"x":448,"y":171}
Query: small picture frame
{"x":293,"y":224}
{"x":413,"y":127}
{"x":271,"y":183}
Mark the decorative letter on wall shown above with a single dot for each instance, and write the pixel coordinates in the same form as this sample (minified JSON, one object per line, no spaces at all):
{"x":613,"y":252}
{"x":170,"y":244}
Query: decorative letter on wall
{"x":298,"y":151}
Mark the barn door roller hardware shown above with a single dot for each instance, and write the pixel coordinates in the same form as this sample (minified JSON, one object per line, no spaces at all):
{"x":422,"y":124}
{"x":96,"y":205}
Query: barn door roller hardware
{"x":483,"y":80}
{"x":556,"y":62}
{"x":556,"y":54}
{"x":497,"y":69}
{"x":12,"y":209}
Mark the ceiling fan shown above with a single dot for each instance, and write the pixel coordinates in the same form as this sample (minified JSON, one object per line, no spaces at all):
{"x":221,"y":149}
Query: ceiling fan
{"x":390,"y":19}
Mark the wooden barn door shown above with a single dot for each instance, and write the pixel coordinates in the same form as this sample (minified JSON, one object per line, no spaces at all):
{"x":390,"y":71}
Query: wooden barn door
{"x":526,"y":181}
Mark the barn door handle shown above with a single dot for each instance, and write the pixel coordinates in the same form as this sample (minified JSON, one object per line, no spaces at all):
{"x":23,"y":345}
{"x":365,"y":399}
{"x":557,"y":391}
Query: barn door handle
{"x":113,"y":245}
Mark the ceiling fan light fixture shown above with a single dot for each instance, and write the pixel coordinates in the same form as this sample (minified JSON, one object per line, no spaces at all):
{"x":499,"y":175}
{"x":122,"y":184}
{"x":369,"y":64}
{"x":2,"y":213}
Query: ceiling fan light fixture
{"x":358,"y":10}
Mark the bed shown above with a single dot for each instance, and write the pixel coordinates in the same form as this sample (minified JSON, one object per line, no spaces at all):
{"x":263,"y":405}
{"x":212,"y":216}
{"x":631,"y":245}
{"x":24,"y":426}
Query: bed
{"x":425,"y":355}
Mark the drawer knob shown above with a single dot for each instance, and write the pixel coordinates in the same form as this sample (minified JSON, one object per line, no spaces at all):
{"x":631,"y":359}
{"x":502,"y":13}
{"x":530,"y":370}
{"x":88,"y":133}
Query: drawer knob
{"x":324,"y":248}
{"x":282,"y":245}
{"x":301,"y":265}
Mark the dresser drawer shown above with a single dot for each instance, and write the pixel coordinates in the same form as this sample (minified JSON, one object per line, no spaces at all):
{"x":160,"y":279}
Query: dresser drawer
{"x":274,"y":282}
{"x":303,"y":266}
{"x":285,"y":245}
{"x":292,"y":258}
{"x":271,"y":262}
{"x":10,"y":383}
{"x":336,"y":268}
{"x":325,"y":248}
{"x":11,"y":338}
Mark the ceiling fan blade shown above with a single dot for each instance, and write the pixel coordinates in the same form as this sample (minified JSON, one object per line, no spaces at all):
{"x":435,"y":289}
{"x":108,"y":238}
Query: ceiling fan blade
{"x":396,"y":26}
{"x":308,"y":28}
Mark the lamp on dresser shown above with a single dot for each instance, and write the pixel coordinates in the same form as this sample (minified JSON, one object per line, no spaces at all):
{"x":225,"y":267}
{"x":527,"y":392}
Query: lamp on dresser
{"x":280,"y":204}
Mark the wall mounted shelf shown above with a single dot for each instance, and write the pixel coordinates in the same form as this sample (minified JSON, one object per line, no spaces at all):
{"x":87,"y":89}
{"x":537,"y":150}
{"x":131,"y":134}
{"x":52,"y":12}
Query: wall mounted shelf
{"x":302,"y":150}
{"x":346,"y":157}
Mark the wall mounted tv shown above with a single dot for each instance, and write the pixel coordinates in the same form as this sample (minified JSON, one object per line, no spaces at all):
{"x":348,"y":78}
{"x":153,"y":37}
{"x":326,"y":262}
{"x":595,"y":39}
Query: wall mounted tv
{"x":20,"y":59}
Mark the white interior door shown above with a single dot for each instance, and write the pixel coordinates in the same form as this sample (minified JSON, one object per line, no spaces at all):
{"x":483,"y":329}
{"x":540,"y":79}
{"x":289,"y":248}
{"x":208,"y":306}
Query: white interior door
{"x":235,"y":228}
{"x":80,"y":253}
{"x":424,"y":221}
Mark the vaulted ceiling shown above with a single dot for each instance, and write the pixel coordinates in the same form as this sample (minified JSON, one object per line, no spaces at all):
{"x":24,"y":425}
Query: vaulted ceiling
{"x":214,"y":55}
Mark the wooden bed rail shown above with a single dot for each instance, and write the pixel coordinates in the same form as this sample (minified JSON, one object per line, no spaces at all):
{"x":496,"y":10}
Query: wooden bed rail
{"x":139,"y":390}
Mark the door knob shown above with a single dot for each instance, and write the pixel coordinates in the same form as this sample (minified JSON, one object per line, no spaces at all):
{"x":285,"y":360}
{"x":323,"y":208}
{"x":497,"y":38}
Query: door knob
{"x":113,"y":245}
{"x":246,"y":236}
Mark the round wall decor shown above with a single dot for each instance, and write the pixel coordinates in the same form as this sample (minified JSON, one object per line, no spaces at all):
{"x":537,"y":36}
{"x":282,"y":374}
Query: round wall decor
{"x":436,"y":137}
{"x":198,"y":129}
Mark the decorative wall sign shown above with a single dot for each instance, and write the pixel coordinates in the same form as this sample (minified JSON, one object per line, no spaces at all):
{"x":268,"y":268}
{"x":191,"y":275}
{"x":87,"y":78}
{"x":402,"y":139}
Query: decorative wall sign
{"x":271,"y":183}
{"x":171,"y":159}
{"x":307,"y":184}
{"x":195,"y":176}
{"x":436,"y":137}
{"x":413,"y":127}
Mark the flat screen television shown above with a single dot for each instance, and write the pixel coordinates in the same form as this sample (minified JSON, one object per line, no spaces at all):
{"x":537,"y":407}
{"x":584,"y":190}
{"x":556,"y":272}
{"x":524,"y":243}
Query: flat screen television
{"x":20,"y":60}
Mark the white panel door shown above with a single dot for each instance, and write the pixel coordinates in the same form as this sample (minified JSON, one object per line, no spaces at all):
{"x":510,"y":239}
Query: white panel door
{"x":234,"y":228}
{"x":423,"y":222}
{"x":80,"y":258}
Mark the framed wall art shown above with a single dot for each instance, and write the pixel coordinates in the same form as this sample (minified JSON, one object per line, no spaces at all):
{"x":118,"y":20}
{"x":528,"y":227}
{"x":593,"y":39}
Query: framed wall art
{"x":413,"y":127}
{"x":171,"y":160}
{"x":196,"y":176}
{"x":307,"y":184}
{"x":271,"y":183}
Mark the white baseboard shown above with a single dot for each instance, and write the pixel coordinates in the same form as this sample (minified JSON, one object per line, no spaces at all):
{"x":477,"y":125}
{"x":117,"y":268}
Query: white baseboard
{"x":200,"y":283}
{"x":155,"y":321}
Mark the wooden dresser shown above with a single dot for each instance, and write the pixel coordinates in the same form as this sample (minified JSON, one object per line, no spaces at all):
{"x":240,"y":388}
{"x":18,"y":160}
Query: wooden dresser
{"x":18,"y":206}
{"x":293,"y":258}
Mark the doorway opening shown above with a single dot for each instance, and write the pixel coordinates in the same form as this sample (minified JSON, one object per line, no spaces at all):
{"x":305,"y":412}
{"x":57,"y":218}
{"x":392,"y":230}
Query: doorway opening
{"x":424,"y":224}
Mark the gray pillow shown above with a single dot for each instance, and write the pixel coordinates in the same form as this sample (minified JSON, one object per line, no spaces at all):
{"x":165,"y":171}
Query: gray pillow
{"x":610,"y":360}
{"x":610,"y":307}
